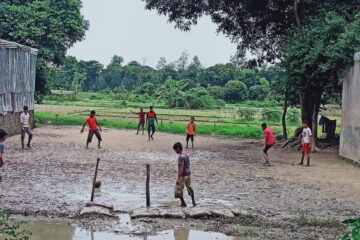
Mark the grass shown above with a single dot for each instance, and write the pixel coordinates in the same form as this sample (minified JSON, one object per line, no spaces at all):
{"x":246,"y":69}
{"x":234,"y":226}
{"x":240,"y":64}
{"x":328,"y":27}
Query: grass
{"x":246,"y":130}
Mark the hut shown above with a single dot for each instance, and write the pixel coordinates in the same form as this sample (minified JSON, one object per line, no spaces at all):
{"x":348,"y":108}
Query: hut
{"x":17,"y":84}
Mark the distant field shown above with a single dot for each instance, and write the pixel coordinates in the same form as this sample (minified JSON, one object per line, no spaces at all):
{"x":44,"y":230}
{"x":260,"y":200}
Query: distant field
{"x":237,"y":120}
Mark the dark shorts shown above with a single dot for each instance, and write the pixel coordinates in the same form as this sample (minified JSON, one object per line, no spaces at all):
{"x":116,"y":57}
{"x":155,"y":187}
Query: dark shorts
{"x":267,"y":147}
{"x":91,"y":135}
{"x":151,"y":127}
{"x":141,"y":124}
{"x":26,"y":130}
{"x":189,"y":136}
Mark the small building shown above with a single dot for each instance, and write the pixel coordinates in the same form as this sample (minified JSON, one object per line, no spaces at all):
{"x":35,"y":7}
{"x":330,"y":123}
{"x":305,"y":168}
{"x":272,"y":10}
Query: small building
{"x":350,"y":133}
{"x":17,"y":84}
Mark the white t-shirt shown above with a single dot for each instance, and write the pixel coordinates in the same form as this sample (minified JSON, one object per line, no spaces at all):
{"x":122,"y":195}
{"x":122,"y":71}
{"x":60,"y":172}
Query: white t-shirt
{"x":24,"y":119}
{"x":307,"y":134}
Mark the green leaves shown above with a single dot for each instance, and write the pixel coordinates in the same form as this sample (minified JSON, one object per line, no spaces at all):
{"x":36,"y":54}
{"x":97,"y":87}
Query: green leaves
{"x":12,"y":230}
{"x":354,"y":228}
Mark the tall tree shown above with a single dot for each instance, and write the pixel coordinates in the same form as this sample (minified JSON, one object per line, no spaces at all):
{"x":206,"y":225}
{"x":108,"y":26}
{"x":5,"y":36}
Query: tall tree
{"x":52,"y":26}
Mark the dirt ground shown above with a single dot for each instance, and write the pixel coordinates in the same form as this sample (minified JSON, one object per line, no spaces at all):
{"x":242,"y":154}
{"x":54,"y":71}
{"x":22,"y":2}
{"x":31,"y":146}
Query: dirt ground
{"x":54,"y":178}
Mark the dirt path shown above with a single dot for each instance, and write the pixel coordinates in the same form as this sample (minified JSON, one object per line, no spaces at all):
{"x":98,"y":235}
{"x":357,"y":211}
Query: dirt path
{"x":54,"y":177}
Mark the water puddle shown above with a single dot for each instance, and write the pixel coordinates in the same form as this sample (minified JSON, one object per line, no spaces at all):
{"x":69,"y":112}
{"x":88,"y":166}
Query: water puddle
{"x":42,"y":230}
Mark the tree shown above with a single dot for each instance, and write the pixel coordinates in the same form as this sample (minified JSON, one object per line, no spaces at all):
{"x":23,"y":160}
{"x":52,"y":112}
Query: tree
{"x":182,"y":62}
{"x":317,"y":56}
{"x":117,"y":61}
{"x":161,"y":63}
{"x":93,"y":70}
{"x":217,"y":92}
{"x":51,"y":26}
{"x":236,"y":91}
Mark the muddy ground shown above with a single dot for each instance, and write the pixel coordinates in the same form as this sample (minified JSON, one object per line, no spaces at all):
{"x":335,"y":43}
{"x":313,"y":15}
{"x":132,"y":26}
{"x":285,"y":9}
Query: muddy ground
{"x":283,"y":201}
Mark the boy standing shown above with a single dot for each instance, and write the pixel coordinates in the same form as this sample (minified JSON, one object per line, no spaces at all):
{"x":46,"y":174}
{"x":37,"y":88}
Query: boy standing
{"x":94,"y":128}
{"x":190,"y":132}
{"x":150,"y":120}
{"x":269,"y":141}
{"x":184,"y":175}
{"x":141,"y":120}
{"x":25,"y":127}
{"x":3,"y":135}
{"x":306,"y":143}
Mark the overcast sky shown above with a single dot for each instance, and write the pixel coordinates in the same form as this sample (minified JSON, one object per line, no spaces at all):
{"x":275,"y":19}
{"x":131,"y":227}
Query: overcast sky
{"x":125,"y":28}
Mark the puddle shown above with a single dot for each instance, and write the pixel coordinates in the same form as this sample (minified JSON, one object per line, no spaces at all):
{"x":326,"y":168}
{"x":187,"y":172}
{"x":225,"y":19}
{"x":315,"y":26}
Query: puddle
{"x":42,"y":230}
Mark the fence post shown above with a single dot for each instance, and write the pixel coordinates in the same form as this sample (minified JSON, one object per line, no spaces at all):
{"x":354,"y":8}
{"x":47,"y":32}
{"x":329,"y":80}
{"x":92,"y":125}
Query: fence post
{"x":94,"y":180}
{"x":161,"y":120}
{"x":147,"y":185}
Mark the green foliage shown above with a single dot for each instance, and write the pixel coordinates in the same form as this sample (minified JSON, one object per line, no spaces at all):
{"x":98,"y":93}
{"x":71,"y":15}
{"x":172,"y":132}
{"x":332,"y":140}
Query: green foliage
{"x":354,"y":229}
{"x":236,"y":91}
{"x":51,"y":26}
{"x":217,"y":92}
{"x":271,"y":115}
{"x":12,"y":231}
{"x":293,"y":115}
{"x":247,"y":113}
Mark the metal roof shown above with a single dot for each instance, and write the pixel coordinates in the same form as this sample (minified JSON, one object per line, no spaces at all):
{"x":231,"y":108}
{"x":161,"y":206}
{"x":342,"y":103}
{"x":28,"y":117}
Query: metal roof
{"x":14,"y":45}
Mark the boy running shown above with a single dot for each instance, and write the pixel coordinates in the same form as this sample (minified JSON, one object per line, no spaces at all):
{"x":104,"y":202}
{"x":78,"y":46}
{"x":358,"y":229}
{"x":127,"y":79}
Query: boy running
{"x":94,"y":128}
{"x":190,"y":132}
{"x":269,"y":141}
{"x":25,"y":127}
{"x":141,"y":120}
{"x":184,"y":176}
{"x":3,"y":135}
{"x":150,"y":120}
{"x":306,"y":143}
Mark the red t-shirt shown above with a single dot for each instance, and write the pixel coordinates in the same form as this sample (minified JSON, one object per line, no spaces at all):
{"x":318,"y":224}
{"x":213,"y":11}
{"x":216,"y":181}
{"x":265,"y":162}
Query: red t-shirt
{"x":269,"y":136}
{"x":151,"y":114}
{"x":191,"y":128}
{"x":91,"y":121}
{"x":141,"y":116}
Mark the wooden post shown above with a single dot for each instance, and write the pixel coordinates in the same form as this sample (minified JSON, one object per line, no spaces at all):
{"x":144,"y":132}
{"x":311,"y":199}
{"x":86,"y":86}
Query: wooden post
{"x":94,"y":180}
{"x":161,"y":121}
{"x":214,"y":126}
{"x":148,"y":185}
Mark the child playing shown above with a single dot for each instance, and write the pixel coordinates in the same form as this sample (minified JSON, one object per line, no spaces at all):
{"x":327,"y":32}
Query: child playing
{"x":94,"y":128}
{"x":190,"y":132}
{"x":269,"y":141}
{"x":3,"y":135}
{"x":25,"y":127}
{"x":142,"y":115}
{"x":184,"y":175}
{"x":150,"y":120}
{"x":306,"y":143}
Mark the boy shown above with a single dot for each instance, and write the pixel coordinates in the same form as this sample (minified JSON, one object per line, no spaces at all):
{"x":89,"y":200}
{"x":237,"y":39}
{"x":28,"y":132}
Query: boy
{"x":3,"y":135}
{"x":94,"y":128}
{"x":190,"y":132}
{"x":184,"y":175}
{"x":150,"y":120}
{"x":25,"y":127}
{"x":269,"y":141}
{"x":306,"y":143}
{"x":141,"y":120}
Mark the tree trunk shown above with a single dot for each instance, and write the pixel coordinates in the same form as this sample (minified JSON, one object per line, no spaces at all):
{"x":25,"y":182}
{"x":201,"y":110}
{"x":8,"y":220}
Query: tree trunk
{"x":285,"y":136}
{"x":297,"y":18}
{"x":317,"y":100}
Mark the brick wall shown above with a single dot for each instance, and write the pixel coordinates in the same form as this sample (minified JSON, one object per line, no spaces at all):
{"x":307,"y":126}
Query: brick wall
{"x":11,"y":122}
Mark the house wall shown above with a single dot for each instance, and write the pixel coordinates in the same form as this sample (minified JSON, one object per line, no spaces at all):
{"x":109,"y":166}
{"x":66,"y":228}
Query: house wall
{"x":11,"y":122}
{"x":350,"y":133}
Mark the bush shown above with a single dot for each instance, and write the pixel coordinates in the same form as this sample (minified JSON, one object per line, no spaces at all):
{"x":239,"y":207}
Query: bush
{"x":236,"y":91}
{"x":247,"y":113}
{"x":216,"y":91}
{"x":271,"y":115}
{"x":12,"y":230}
{"x":293,"y":116}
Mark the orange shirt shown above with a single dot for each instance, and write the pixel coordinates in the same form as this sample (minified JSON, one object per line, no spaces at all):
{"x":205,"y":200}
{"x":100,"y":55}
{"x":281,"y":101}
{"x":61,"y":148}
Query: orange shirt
{"x":191,"y":128}
{"x":91,"y":121}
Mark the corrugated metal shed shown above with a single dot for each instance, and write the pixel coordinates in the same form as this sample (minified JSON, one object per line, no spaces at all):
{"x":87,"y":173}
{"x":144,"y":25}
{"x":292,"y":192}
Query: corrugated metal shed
{"x":17,"y":76}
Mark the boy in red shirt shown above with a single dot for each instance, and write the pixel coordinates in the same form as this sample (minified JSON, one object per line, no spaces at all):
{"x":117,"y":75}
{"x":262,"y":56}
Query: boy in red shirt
{"x":142,"y":115}
{"x":269,"y":141}
{"x":190,"y":132}
{"x":94,"y":128}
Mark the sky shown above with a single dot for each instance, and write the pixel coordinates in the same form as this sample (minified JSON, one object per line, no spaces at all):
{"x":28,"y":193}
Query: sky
{"x":125,"y":28}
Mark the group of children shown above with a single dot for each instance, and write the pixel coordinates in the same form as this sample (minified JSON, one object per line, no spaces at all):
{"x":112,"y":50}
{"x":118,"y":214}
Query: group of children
{"x":306,"y":143}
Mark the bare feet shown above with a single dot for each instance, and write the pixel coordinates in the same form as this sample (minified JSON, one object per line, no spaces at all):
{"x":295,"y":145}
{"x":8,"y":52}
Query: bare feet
{"x":183,"y":205}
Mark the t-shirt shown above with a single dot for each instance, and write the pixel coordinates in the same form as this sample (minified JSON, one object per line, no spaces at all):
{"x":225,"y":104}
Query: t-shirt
{"x":24,"y":119}
{"x":306,"y":135}
{"x":269,"y":136}
{"x":151,"y":117}
{"x":185,"y":161}
{"x":91,"y":121}
{"x":190,"y":129}
{"x":141,"y":116}
{"x":2,"y":148}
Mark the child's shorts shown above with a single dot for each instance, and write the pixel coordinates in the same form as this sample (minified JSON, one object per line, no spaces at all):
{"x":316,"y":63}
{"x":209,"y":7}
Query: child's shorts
{"x":306,"y":148}
{"x":179,"y":188}
{"x":189,"y":136}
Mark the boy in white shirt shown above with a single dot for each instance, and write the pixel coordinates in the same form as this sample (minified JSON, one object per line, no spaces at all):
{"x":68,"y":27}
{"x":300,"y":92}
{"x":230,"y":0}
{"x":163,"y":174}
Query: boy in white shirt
{"x":25,"y":127}
{"x":306,"y":143}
